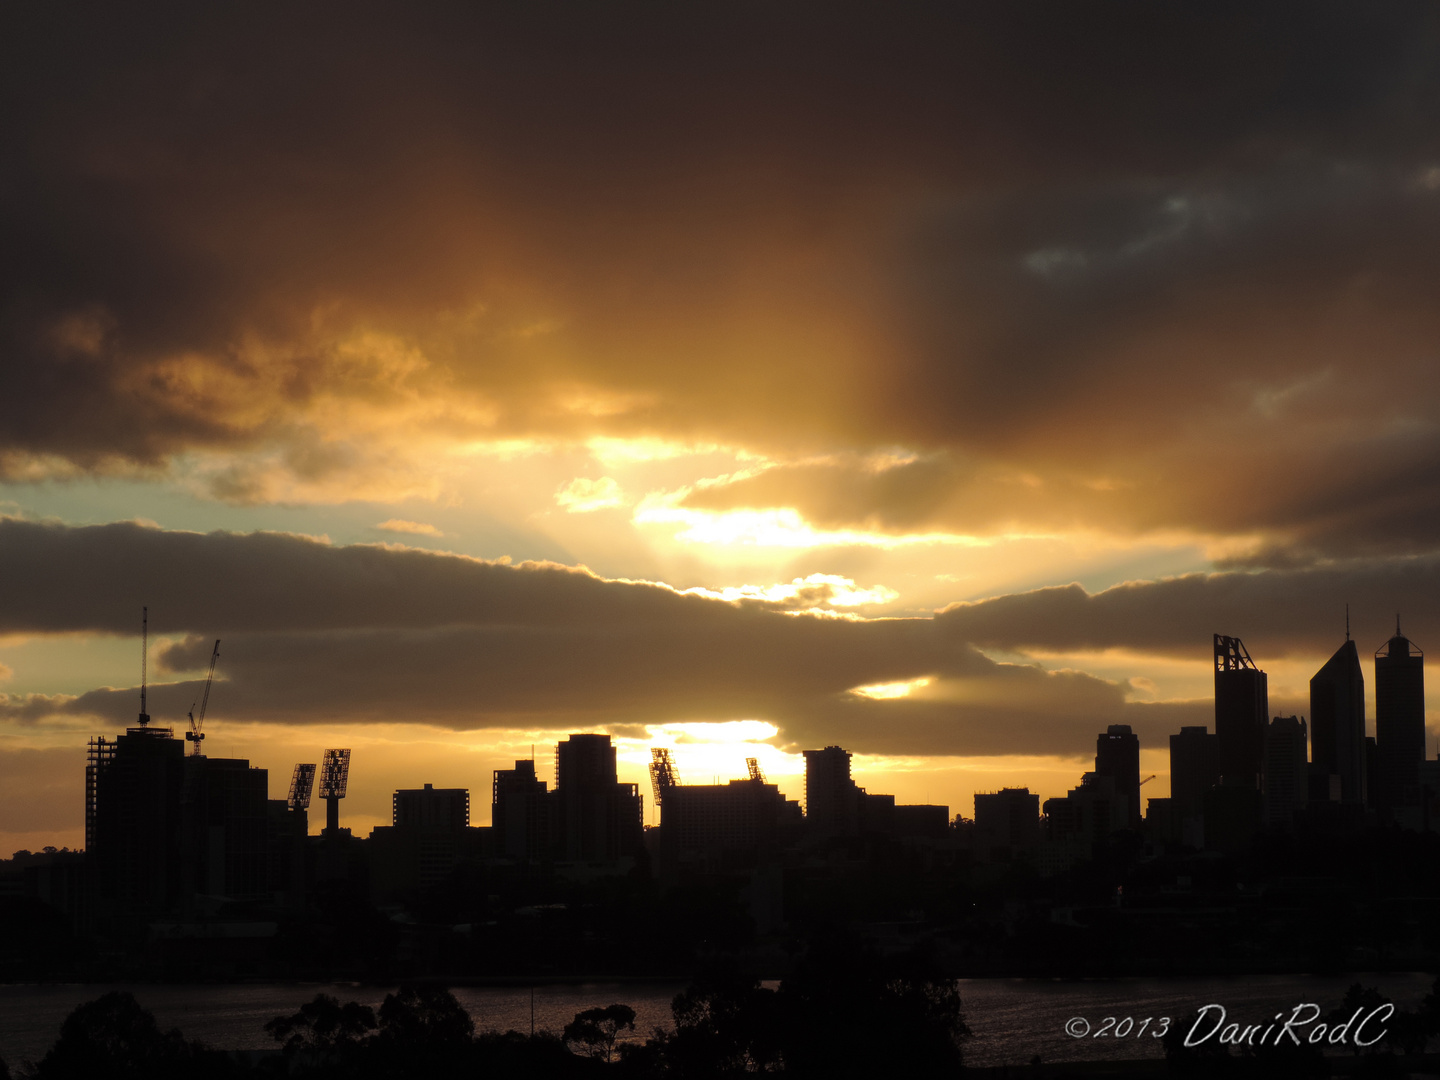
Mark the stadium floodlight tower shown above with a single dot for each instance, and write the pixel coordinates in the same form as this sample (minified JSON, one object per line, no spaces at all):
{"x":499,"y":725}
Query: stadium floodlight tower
{"x":334,"y":777}
{"x":663,"y":776}
{"x":301,"y":784}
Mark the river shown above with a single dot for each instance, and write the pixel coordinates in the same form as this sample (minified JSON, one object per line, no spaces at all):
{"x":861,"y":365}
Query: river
{"x":1012,"y":1019}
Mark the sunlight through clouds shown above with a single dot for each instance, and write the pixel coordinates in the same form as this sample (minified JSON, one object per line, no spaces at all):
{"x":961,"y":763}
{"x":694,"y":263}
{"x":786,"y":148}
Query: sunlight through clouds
{"x":774,"y":527}
{"x":582,"y":495}
{"x":891,"y":690}
{"x":816,"y":589}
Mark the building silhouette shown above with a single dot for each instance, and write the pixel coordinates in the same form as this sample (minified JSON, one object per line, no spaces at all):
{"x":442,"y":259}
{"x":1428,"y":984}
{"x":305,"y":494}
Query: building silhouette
{"x":1286,"y":771}
{"x":430,"y":808}
{"x":596,"y":816}
{"x":726,"y":826}
{"x":1007,"y":822}
{"x":166,"y":833}
{"x":1090,"y":812}
{"x":520,"y":813}
{"x":920,"y":821}
{"x":1242,"y":709}
{"x":1117,"y":755}
{"x":133,"y":849}
{"x":428,"y":836}
{"x":1194,"y":769}
{"x":832,"y":801}
{"x":1337,"y":729}
{"x":1399,"y":722}
{"x":225,"y":826}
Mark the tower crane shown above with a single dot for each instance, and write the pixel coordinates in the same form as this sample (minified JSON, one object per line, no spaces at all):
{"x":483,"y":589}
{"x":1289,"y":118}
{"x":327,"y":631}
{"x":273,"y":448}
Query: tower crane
{"x":753,"y":764}
{"x":195,"y":735}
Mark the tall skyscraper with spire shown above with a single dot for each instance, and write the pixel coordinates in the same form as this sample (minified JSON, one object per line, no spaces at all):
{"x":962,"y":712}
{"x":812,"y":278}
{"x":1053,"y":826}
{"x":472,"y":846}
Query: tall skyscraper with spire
{"x":1337,"y":727}
{"x":1399,"y":720}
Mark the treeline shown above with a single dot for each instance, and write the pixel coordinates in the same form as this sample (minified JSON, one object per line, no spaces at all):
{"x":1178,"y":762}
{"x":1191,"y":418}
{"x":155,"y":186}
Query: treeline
{"x":844,"y":1012}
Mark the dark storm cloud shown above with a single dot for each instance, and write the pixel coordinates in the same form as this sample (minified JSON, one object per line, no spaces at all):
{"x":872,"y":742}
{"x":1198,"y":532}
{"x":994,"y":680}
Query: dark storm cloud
{"x":1103,"y":244}
{"x":1294,"y":612}
{"x":314,"y":633}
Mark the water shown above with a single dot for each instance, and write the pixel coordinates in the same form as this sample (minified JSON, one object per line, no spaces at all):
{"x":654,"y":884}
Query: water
{"x":1012,"y":1019}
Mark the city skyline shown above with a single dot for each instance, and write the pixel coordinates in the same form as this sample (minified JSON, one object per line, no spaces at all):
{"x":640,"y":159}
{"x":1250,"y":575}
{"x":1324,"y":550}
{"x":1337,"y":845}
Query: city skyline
{"x":935,"y":385}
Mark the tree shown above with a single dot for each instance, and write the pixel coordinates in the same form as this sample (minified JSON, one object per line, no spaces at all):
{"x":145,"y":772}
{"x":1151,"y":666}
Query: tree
{"x":596,"y":1030}
{"x":725,"y":1024}
{"x":323,"y":1027}
{"x":847,"y":1012}
{"x":424,"y":1016}
{"x":113,"y":1038}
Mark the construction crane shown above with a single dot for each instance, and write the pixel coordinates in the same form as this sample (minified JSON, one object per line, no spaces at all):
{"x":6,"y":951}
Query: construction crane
{"x":334,"y":780}
{"x":753,"y":764}
{"x":662,"y":773}
{"x":301,"y":784}
{"x":195,"y":735}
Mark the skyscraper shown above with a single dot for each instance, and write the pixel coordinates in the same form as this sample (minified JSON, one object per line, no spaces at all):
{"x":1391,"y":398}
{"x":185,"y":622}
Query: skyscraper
{"x":134,"y":855}
{"x":520,"y":812}
{"x":1399,"y":720}
{"x":1242,"y":707}
{"x":1286,"y":779}
{"x":1117,"y":755}
{"x":1194,"y":769}
{"x":831,"y":797}
{"x":1337,"y":727}
{"x":597,"y":817}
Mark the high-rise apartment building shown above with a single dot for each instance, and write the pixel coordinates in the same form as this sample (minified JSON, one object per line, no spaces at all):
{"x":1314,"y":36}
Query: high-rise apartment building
{"x":596,"y":817}
{"x":520,"y":813}
{"x":831,"y":798}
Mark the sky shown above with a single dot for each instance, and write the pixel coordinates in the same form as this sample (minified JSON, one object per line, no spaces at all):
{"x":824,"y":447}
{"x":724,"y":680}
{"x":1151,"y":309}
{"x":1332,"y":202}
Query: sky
{"x":933,"y":381}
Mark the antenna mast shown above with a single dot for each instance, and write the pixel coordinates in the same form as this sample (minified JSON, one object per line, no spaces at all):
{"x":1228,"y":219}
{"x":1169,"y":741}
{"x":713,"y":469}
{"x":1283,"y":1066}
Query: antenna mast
{"x":144,"y":657}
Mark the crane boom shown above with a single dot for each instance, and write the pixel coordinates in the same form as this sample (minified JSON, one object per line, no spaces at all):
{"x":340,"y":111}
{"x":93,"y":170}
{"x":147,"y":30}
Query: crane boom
{"x":195,"y":735}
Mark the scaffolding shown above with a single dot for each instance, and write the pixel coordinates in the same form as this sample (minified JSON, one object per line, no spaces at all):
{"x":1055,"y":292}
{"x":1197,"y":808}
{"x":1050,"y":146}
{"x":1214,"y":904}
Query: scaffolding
{"x":100,"y":757}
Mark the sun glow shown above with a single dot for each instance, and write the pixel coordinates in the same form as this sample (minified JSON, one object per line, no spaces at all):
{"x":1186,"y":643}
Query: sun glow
{"x":828,"y":589}
{"x":781,"y":527}
{"x":707,"y":753}
{"x":890,"y":690}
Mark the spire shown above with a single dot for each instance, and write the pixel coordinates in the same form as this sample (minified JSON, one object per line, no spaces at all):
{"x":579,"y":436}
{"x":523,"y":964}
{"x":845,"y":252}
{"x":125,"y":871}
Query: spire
{"x":1347,"y":622}
{"x":144,"y":657}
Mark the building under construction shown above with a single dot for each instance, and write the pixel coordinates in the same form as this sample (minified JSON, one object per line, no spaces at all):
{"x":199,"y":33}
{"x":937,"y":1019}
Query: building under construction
{"x":167,"y":833}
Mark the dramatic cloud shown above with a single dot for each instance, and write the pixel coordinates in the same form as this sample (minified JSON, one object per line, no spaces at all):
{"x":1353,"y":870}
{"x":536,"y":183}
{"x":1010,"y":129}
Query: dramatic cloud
{"x":1129,"y":267}
{"x":1300,"y":612}
{"x":314,"y":633}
